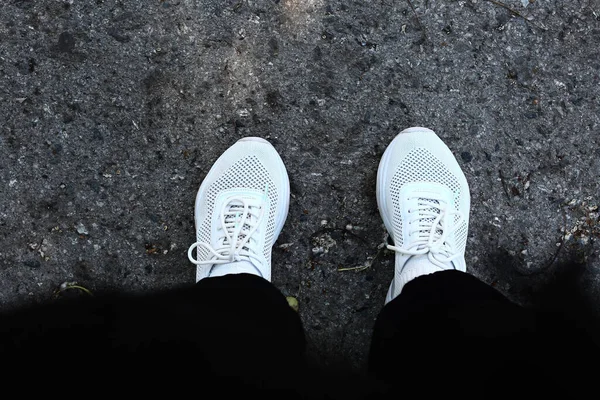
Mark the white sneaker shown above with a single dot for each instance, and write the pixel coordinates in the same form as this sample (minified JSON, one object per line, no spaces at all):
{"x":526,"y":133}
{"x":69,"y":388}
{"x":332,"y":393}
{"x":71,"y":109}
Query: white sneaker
{"x":423,"y":197}
{"x":241,"y":207}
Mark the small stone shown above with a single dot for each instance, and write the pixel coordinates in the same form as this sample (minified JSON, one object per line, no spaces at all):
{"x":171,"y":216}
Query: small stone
{"x":324,"y":222}
{"x":66,"y":42}
{"x":118,"y":35}
{"x":68,"y":118}
{"x":81,"y":229}
{"x":349,"y":227}
{"x":32,"y":264}
{"x":531,"y":115}
{"x":466,"y":156}
{"x":293,"y":302}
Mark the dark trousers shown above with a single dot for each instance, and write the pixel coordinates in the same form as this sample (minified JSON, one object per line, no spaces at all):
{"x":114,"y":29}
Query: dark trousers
{"x":447,"y":333}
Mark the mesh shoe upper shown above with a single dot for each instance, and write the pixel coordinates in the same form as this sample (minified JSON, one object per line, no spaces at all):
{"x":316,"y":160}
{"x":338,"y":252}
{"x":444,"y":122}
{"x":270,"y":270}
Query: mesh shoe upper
{"x":252,"y":170}
{"x":420,"y":165}
{"x":424,"y":201}
{"x":248,"y":173}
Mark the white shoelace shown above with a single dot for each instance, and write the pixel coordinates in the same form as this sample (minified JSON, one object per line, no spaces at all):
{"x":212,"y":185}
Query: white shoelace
{"x":239,"y":220}
{"x":433,"y":226}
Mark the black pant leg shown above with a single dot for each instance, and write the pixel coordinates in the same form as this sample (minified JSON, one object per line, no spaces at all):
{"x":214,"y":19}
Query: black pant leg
{"x":449,"y":333}
{"x":230,"y":335}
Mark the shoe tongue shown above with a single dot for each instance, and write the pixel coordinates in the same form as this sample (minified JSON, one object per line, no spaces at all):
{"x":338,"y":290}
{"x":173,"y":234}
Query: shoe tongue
{"x":422,"y":265}
{"x":237,"y":267}
{"x":238,"y":201}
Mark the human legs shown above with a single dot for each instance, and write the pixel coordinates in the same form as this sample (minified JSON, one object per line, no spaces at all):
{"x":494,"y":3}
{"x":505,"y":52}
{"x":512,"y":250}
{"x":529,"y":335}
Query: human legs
{"x":442,"y":330}
{"x":447,"y":327}
{"x":233,"y":333}
{"x":230,"y":334}
{"x":448,"y":333}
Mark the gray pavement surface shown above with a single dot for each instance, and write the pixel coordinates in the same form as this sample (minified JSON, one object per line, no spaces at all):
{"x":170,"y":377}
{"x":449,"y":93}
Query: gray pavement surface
{"x":112,"y":112}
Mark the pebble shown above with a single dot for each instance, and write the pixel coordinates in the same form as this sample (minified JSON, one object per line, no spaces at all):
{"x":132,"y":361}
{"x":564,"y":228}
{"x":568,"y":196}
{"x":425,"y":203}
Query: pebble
{"x":66,"y":42}
{"x":81,"y":229}
{"x":293,"y":302}
{"x":466,"y":156}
